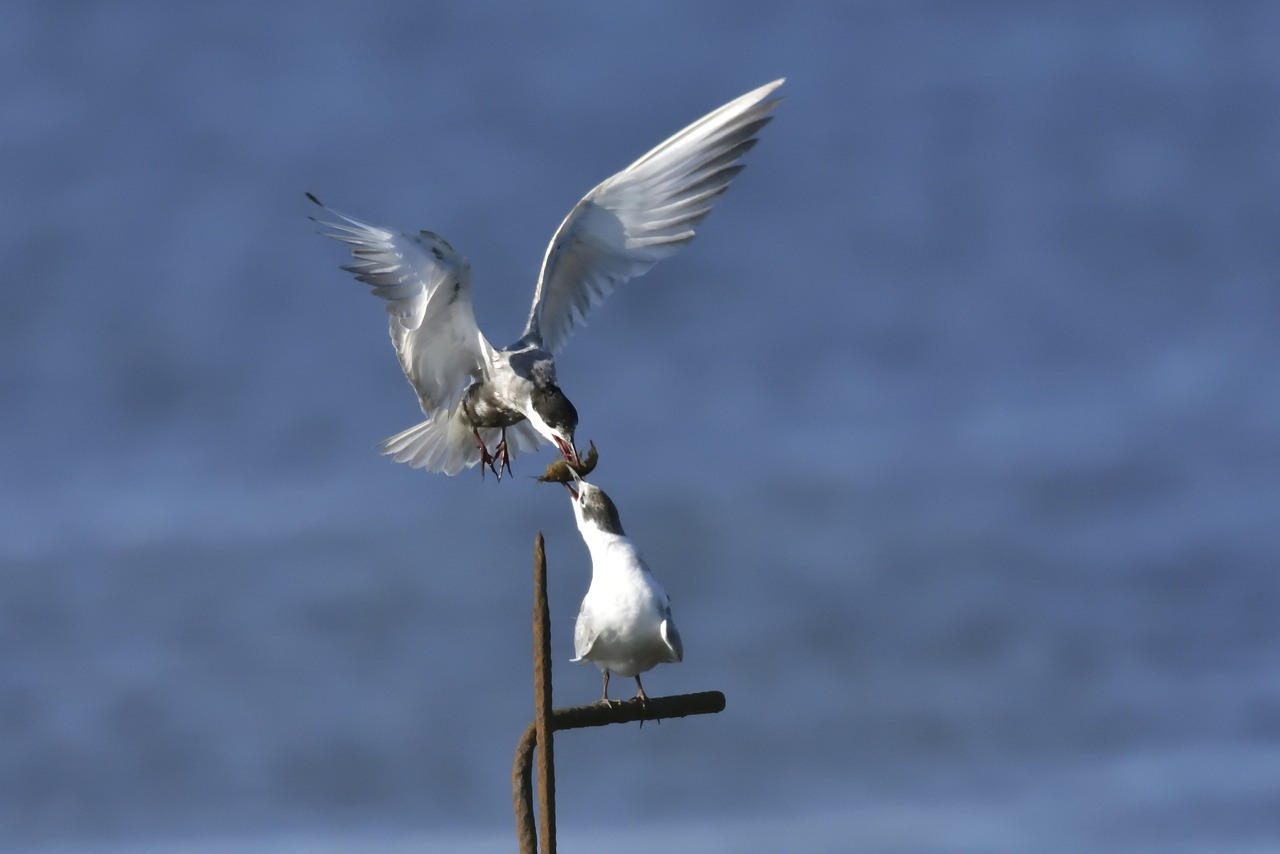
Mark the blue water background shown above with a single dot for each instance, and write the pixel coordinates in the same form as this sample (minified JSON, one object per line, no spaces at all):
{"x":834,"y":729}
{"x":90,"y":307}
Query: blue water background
{"x":954,"y":435}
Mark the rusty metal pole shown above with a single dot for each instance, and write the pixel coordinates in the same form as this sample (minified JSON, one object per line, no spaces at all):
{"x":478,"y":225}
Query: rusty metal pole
{"x":522,"y":792}
{"x":542,"y":720}
{"x":536,"y":738}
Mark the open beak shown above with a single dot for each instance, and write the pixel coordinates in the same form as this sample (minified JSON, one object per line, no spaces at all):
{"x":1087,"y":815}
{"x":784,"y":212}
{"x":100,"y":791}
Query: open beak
{"x":572,"y":486}
{"x":569,"y":452}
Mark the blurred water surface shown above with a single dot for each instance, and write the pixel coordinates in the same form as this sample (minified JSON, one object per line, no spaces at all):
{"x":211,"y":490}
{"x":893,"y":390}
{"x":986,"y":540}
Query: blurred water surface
{"x":953,"y":435}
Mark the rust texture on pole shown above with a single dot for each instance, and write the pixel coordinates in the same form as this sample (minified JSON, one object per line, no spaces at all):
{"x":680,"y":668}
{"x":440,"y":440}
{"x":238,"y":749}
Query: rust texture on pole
{"x":522,"y":791}
{"x":658,"y":708}
{"x":542,"y":699}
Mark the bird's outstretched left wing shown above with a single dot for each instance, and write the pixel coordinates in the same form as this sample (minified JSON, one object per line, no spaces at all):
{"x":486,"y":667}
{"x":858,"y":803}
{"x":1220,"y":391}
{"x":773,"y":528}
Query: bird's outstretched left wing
{"x":641,"y":215}
{"x":427,"y":286}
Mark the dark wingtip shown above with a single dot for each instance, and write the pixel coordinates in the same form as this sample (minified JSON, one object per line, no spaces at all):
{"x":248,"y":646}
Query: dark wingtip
{"x":314,"y":199}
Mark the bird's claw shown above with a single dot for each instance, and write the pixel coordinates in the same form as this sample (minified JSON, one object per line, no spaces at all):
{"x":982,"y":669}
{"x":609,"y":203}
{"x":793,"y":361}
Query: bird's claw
{"x":497,"y":461}
{"x":486,"y":462}
{"x":502,"y":457}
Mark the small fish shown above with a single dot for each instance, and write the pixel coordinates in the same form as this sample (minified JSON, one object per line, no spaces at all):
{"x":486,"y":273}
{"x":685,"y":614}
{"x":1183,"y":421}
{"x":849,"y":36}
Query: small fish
{"x":558,"y":472}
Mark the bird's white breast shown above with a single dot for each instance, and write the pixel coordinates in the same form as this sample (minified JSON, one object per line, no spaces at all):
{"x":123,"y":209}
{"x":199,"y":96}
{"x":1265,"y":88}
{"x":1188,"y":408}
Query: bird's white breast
{"x":625,"y":607}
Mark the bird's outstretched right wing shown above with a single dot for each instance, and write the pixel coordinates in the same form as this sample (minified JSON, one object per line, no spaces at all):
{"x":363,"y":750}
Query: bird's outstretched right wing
{"x":427,"y":286}
{"x":641,"y":215}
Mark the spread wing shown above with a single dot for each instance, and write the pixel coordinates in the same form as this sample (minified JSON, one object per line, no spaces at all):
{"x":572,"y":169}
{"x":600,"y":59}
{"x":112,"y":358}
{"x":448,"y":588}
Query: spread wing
{"x":641,"y":215}
{"x":427,"y":286}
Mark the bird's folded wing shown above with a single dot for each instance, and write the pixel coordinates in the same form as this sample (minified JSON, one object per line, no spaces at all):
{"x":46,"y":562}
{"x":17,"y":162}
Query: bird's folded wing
{"x":432,"y":324}
{"x":584,"y":635}
{"x":672,"y":638}
{"x":643,"y":214}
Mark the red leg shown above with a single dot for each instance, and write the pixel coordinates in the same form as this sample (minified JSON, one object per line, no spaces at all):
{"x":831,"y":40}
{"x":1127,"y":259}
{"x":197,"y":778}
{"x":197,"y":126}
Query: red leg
{"x":640,"y":694}
{"x":502,"y":455}
{"x":642,"y":698}
{"x":486,"y":459}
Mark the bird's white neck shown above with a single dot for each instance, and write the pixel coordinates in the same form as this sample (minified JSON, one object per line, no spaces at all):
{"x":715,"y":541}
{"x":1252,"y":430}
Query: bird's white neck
{"x":605,"y":547}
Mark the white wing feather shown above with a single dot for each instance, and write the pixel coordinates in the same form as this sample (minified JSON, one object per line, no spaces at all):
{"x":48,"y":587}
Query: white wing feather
{"x":584,"y":636}
{"x":445,"y":443}
{"x":641,"y":215}
{"x":672,"y":638}
{"x":427,"y":287}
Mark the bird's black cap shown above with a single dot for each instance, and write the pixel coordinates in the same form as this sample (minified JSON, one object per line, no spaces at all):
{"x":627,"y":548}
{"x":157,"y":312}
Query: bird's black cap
{"x":554,"y":408}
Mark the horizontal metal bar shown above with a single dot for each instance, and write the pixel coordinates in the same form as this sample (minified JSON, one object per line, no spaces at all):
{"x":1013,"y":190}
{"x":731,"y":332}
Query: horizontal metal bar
{"x":621,"y":712}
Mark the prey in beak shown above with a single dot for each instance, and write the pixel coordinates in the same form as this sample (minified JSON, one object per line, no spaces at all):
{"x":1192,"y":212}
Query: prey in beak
{"x":562,"y":471}
{"x":568,"y":451}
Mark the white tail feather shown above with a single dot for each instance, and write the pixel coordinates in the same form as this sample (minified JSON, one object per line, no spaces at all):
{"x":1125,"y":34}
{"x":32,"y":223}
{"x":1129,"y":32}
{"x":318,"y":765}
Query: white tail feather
{"x":445,"y":442}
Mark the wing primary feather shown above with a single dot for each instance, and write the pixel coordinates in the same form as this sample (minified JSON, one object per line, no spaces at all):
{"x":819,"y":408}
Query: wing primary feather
{"x":426,"y":288}
{"x":642,"y":214}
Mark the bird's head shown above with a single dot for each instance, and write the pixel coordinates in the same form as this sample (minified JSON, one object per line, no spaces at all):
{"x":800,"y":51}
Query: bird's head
{"x":554,"y":417}
{"x":592,"y":507}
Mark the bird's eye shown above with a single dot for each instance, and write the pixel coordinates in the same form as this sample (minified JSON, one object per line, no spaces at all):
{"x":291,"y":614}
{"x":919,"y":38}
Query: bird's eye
{"x":435,"y":250}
